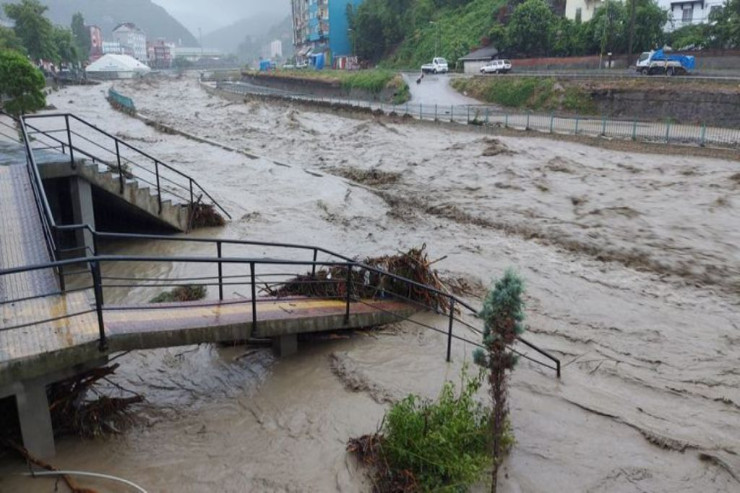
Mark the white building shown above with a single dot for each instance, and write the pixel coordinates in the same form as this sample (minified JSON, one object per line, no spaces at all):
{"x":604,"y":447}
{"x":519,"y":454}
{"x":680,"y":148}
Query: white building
{"x":581,"y":8}
{"x":112,"y":48}
{"x":687,"y":12}
{"x":276,"y":49}
{"x":681,"y":12}
{"x":128,"y":35}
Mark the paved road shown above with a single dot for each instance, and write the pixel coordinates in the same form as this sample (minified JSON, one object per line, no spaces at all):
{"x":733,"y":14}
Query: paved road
{"x":435,"y":89}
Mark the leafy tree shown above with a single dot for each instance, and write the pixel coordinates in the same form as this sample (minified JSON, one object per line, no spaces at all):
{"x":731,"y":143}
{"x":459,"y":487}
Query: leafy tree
{"x":21,"y":83}
{"x":649,"y":28}
{"x":725,"y":21}
{"x":502,"y":314}
{"x":33,"y":29}
{"x":81,"y":36}
{"x":9,"y":41}
{"x":66,"y":48}
{"x":530,"y":28}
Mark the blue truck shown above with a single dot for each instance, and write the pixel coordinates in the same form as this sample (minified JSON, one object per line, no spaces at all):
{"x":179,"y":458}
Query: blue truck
{"x":659,"y":63}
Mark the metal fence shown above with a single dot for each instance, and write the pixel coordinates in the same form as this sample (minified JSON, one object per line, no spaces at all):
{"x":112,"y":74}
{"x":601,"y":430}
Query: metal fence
{"x":489,"y":117}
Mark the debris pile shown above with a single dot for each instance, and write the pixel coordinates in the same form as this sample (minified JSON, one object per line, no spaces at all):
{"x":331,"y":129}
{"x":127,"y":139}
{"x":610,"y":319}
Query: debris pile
{"x":374,"y":282}
{"x":73,"y":413}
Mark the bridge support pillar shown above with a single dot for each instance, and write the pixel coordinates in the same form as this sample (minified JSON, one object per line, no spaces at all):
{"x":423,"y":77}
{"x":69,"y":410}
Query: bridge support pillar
{"x":82,"y":212}
{"x":35,"y":419}
{"x":285,"y":345}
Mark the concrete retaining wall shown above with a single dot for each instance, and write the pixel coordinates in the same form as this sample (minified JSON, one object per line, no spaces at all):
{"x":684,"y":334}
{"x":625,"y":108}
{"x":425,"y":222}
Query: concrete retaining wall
{"x":713,"y":109}
{"x":318,"y":88}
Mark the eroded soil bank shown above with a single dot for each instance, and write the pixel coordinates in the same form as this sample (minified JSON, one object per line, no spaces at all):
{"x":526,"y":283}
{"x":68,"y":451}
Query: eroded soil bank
{"x":632,"y":268}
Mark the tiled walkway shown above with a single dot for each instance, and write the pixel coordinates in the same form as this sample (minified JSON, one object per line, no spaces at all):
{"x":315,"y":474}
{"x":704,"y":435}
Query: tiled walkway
{"x":22,"y":243}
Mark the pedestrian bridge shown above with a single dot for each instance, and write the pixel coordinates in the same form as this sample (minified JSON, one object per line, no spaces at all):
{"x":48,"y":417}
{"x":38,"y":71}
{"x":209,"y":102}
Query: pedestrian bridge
{"x":56,"y":319}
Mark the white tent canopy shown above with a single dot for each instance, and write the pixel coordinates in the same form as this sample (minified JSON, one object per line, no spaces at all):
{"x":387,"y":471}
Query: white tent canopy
{"x":123,"y":65}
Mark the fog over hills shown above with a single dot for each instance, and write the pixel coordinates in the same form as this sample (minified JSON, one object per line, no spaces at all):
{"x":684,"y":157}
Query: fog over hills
{"x":154,"y":20}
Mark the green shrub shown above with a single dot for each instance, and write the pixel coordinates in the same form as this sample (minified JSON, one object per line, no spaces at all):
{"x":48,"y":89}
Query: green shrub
{"x":432,"y":445}
{"x":189,"y":292}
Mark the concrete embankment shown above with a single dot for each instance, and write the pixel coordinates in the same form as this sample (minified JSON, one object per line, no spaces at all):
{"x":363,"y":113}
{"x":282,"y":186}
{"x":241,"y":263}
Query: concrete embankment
{"x":680,"y":100}
{"x":333,"y":87}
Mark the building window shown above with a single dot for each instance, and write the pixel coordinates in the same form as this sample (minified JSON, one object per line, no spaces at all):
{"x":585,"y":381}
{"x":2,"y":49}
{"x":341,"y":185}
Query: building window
{"x":579,"y":15}
{"x":688,"y":13}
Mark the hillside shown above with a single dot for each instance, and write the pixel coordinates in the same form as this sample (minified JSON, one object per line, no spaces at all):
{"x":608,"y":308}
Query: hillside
{"x":228,"y":38}
{"x":407,"y":33}
{"x":155,"y":21}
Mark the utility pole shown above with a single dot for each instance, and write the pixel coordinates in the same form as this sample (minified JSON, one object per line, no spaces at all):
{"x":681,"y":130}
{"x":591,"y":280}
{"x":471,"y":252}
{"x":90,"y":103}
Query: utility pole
{"x":632,"y":33}
{"x":436,"y":43}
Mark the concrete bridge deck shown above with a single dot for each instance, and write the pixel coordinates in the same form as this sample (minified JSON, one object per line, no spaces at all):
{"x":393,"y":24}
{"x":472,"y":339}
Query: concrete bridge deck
{"x":37,"y":349}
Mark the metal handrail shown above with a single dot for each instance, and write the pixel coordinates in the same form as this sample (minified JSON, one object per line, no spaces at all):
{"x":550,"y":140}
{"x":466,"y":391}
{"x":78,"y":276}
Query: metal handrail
{"x":345,"y":261}
{"x":97,"y":260}
{"x":193,"y":188}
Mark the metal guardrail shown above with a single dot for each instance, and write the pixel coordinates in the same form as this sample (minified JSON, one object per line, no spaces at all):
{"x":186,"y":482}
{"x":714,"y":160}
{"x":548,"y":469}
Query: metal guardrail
{"x":488,"y":117}
{"x":243,"y":271}
{"x":121,"y":100}
{"x":72,"y":135}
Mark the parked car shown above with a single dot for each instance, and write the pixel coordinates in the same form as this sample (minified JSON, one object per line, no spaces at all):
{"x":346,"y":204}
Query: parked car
{"x":496,"y":67}
{"x":438,"y":66}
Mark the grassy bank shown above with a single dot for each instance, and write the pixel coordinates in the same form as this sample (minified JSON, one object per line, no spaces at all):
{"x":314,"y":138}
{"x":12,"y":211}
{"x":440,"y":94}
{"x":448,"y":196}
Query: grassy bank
{"x":372,"y":81}
{"x":533,"y":93}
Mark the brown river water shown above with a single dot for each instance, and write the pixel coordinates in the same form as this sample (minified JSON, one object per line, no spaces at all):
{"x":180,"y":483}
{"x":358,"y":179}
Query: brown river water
{"x":632,"y":267}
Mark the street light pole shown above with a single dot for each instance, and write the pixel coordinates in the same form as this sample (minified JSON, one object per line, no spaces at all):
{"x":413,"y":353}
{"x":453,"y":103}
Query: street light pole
{"x":436,"y":43}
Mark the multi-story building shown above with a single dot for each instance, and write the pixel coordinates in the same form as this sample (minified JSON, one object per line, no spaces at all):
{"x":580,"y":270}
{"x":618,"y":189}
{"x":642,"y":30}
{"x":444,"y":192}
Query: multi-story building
{"x":686,"y":12}
{"x":582,"y":9}
{"x":112,"y":48}
{"x":680,"y":12}
{"x":321,"y":26}
{"x":96,"y":42}
{"x":130,"y":36}
{"x":276,"y":49}
{"x":160,"y":54}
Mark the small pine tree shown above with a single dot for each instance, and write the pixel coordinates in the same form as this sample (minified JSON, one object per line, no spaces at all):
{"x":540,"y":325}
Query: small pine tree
{"x":502,"y":314}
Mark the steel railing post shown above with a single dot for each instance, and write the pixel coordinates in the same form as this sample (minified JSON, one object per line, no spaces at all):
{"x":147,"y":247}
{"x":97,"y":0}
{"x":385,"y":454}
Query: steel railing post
{"x":120,"y":171}
{"x":349,"y":293}
{"x":220,"y":273}
{"x":98,"y":289}
{"x":467,"y":118}
{"x":159,"y":189}
{"x":667,"y":130}
{"x":603,"y":126}
{"x":452,"y":113}
{"x":449,"y":330}
{"x":576,"y":130}
{"x":254,"y":295}
{"x":435,"y":112}
{"x":69,"y":140}
{"x":313,"y":266}
{"x":191,"y":196}
{"x":634,"y":129}
{"x":527,"y":126}
{"x":703,"y":134}
{"x":57,"y":256}
{"x":552,"y":121}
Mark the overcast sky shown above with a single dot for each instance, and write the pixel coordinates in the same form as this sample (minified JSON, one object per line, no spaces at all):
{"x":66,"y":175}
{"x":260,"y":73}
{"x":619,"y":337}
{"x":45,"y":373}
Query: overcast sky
{"x":210,"y":15}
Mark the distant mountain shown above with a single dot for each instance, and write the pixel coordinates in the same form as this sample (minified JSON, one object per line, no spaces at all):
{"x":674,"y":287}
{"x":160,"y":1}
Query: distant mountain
{"x":107,"y":14}
{"x":254,"y":47}
{"x":228,"y":38}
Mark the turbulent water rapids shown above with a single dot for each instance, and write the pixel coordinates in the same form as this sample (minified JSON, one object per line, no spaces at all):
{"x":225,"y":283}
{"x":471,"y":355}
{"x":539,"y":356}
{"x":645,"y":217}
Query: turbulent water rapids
{"x":632,"y":265}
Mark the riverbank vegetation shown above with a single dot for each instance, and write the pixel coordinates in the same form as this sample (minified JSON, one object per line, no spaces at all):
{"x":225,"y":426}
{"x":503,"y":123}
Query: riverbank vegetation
{"x":532,"y":93}
{"x":424,"y":445}
{"x":407,"y":33}
{"x":374,"y":81}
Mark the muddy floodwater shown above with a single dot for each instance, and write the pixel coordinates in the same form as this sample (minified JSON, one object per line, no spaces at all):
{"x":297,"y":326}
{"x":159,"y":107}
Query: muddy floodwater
{"x":632,"y":265}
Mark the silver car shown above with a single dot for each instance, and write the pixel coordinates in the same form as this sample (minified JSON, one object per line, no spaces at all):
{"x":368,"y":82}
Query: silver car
{"x":496,"y":67}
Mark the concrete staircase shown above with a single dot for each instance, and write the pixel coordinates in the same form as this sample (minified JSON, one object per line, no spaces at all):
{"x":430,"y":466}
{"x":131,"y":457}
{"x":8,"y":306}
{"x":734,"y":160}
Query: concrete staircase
{"x":140,"y":196}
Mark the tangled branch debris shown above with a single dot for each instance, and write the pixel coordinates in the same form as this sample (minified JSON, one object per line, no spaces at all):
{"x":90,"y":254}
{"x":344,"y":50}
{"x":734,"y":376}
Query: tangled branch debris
{"x":370,"y":283}
{"x":206,"y":216}
{"x":368,"y":450}
{"x":71,"y":413}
